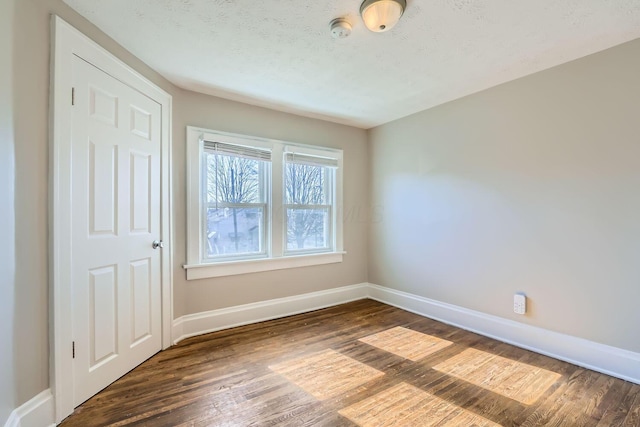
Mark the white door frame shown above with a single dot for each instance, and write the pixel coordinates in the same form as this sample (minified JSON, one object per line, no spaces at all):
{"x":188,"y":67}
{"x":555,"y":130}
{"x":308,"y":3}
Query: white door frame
{"x":68,"y":42}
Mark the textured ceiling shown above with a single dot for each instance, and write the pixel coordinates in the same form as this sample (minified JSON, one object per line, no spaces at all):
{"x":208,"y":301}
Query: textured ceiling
{"x":280,"y":54}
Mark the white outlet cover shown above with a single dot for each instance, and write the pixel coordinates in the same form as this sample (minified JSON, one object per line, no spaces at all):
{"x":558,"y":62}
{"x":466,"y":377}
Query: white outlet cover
{"x":519,"y":304}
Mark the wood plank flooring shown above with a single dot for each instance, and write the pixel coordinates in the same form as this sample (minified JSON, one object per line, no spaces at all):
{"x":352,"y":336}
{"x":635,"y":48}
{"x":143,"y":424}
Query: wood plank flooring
{"x":351,"y":366}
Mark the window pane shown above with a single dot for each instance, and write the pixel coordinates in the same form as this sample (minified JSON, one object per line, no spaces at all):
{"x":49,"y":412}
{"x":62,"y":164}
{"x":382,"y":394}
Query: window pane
{"x":234,"y":231}
{"x":305,"y":184}
{"x":232,"y":179}
{"x":307,"y":229}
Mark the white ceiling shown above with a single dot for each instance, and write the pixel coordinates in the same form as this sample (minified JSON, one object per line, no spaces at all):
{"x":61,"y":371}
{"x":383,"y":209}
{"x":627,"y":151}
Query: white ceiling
{"x":280,"y":54}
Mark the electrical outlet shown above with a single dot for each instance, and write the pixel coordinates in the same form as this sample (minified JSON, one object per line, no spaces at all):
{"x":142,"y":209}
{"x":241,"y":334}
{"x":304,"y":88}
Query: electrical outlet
{"x":519,"y":303}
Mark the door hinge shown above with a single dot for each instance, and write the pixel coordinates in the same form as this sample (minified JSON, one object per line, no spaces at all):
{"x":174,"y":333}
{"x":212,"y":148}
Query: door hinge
{"x":73,"y":349}
{"x":73,"y":96}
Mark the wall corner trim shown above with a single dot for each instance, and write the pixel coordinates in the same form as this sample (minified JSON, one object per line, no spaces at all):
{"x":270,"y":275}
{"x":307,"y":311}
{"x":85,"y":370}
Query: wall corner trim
{"x":37,"y":412}
{"x":617,"y":362}
{"x":210,"y":321}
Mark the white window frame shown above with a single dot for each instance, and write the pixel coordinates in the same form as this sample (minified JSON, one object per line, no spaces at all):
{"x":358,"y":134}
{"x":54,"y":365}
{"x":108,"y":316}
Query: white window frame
{"x":265,"y":190}
{"x":276,"y":257}
{"x":330,"y":194}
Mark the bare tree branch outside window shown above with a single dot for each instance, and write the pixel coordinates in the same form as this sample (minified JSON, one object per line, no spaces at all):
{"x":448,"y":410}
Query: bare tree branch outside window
{"x":233,"y":179}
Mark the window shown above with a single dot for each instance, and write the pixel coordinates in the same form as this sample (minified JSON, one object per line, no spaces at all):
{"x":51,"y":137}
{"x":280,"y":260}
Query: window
{"x":256,"y":205}
{"x":235,"y":195}
{"x":309,"y":202}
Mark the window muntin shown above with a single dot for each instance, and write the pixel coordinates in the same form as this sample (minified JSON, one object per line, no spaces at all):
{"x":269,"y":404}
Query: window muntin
{"x":235,"y":208}
{"x":309,"y":203}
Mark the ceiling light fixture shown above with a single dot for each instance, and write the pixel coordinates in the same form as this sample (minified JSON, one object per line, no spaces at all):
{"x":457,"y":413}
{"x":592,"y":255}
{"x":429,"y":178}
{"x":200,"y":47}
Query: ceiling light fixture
{"x":382,"y":15}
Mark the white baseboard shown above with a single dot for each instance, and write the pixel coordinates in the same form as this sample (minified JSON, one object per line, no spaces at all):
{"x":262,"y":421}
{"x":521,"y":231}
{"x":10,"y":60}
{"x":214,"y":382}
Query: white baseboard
{"x":13,"y":421}
{"x":598,"y":357}
{"x":37,"y":412}
{"x":609,"y":360}
{"x":210,"y":321}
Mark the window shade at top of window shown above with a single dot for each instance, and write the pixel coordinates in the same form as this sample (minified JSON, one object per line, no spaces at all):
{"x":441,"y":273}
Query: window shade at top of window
{"x":223,"y":148}
{"x":305,"y":159}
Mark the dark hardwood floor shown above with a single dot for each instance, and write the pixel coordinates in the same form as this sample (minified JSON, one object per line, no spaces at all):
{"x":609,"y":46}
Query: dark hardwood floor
{"x":314,"y":370}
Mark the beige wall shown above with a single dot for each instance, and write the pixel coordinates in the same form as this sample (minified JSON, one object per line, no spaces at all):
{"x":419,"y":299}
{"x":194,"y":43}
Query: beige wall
{"x":530,"y":186}
{"x":7,"y":212}
{"x":218,"y":114}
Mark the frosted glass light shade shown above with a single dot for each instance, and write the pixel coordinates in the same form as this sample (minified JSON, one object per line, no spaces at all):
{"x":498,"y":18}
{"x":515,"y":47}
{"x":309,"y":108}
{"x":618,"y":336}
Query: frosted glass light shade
{"x":382,"y":15}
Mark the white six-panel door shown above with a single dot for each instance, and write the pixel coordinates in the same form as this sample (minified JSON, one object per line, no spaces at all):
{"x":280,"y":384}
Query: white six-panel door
{"x":115,"y":217}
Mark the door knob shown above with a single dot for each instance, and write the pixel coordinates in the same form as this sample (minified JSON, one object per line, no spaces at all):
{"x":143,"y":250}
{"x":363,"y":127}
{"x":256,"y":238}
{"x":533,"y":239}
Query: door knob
{"x":157,"y":244}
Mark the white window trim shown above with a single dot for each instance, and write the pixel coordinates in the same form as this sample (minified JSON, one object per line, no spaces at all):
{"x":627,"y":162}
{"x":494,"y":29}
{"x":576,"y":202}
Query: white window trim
{"x":230,"y":268}
{"x":330,"y":207}
{"x":264,"y":205}
{"x":277,"y":258}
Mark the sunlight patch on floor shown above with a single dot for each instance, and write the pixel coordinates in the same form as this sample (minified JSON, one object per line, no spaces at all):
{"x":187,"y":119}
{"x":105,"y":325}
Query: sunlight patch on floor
{"x":326,"y":374}
{"x":406,"y":343}
{"x":509,"y":378}
{"x":408,"y":406}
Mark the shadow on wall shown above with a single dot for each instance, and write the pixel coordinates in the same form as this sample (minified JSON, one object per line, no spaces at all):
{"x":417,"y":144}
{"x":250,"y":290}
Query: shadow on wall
{"x":30,"y":107}
{"x":8,"y":333}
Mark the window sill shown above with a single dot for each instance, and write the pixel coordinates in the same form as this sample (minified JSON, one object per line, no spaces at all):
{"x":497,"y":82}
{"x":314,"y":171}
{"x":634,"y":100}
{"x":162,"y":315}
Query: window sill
{"x":204,"y":271}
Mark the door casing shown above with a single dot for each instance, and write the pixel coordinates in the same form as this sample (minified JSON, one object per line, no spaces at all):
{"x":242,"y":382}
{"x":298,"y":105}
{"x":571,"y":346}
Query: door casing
{"x":68,"y":42}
